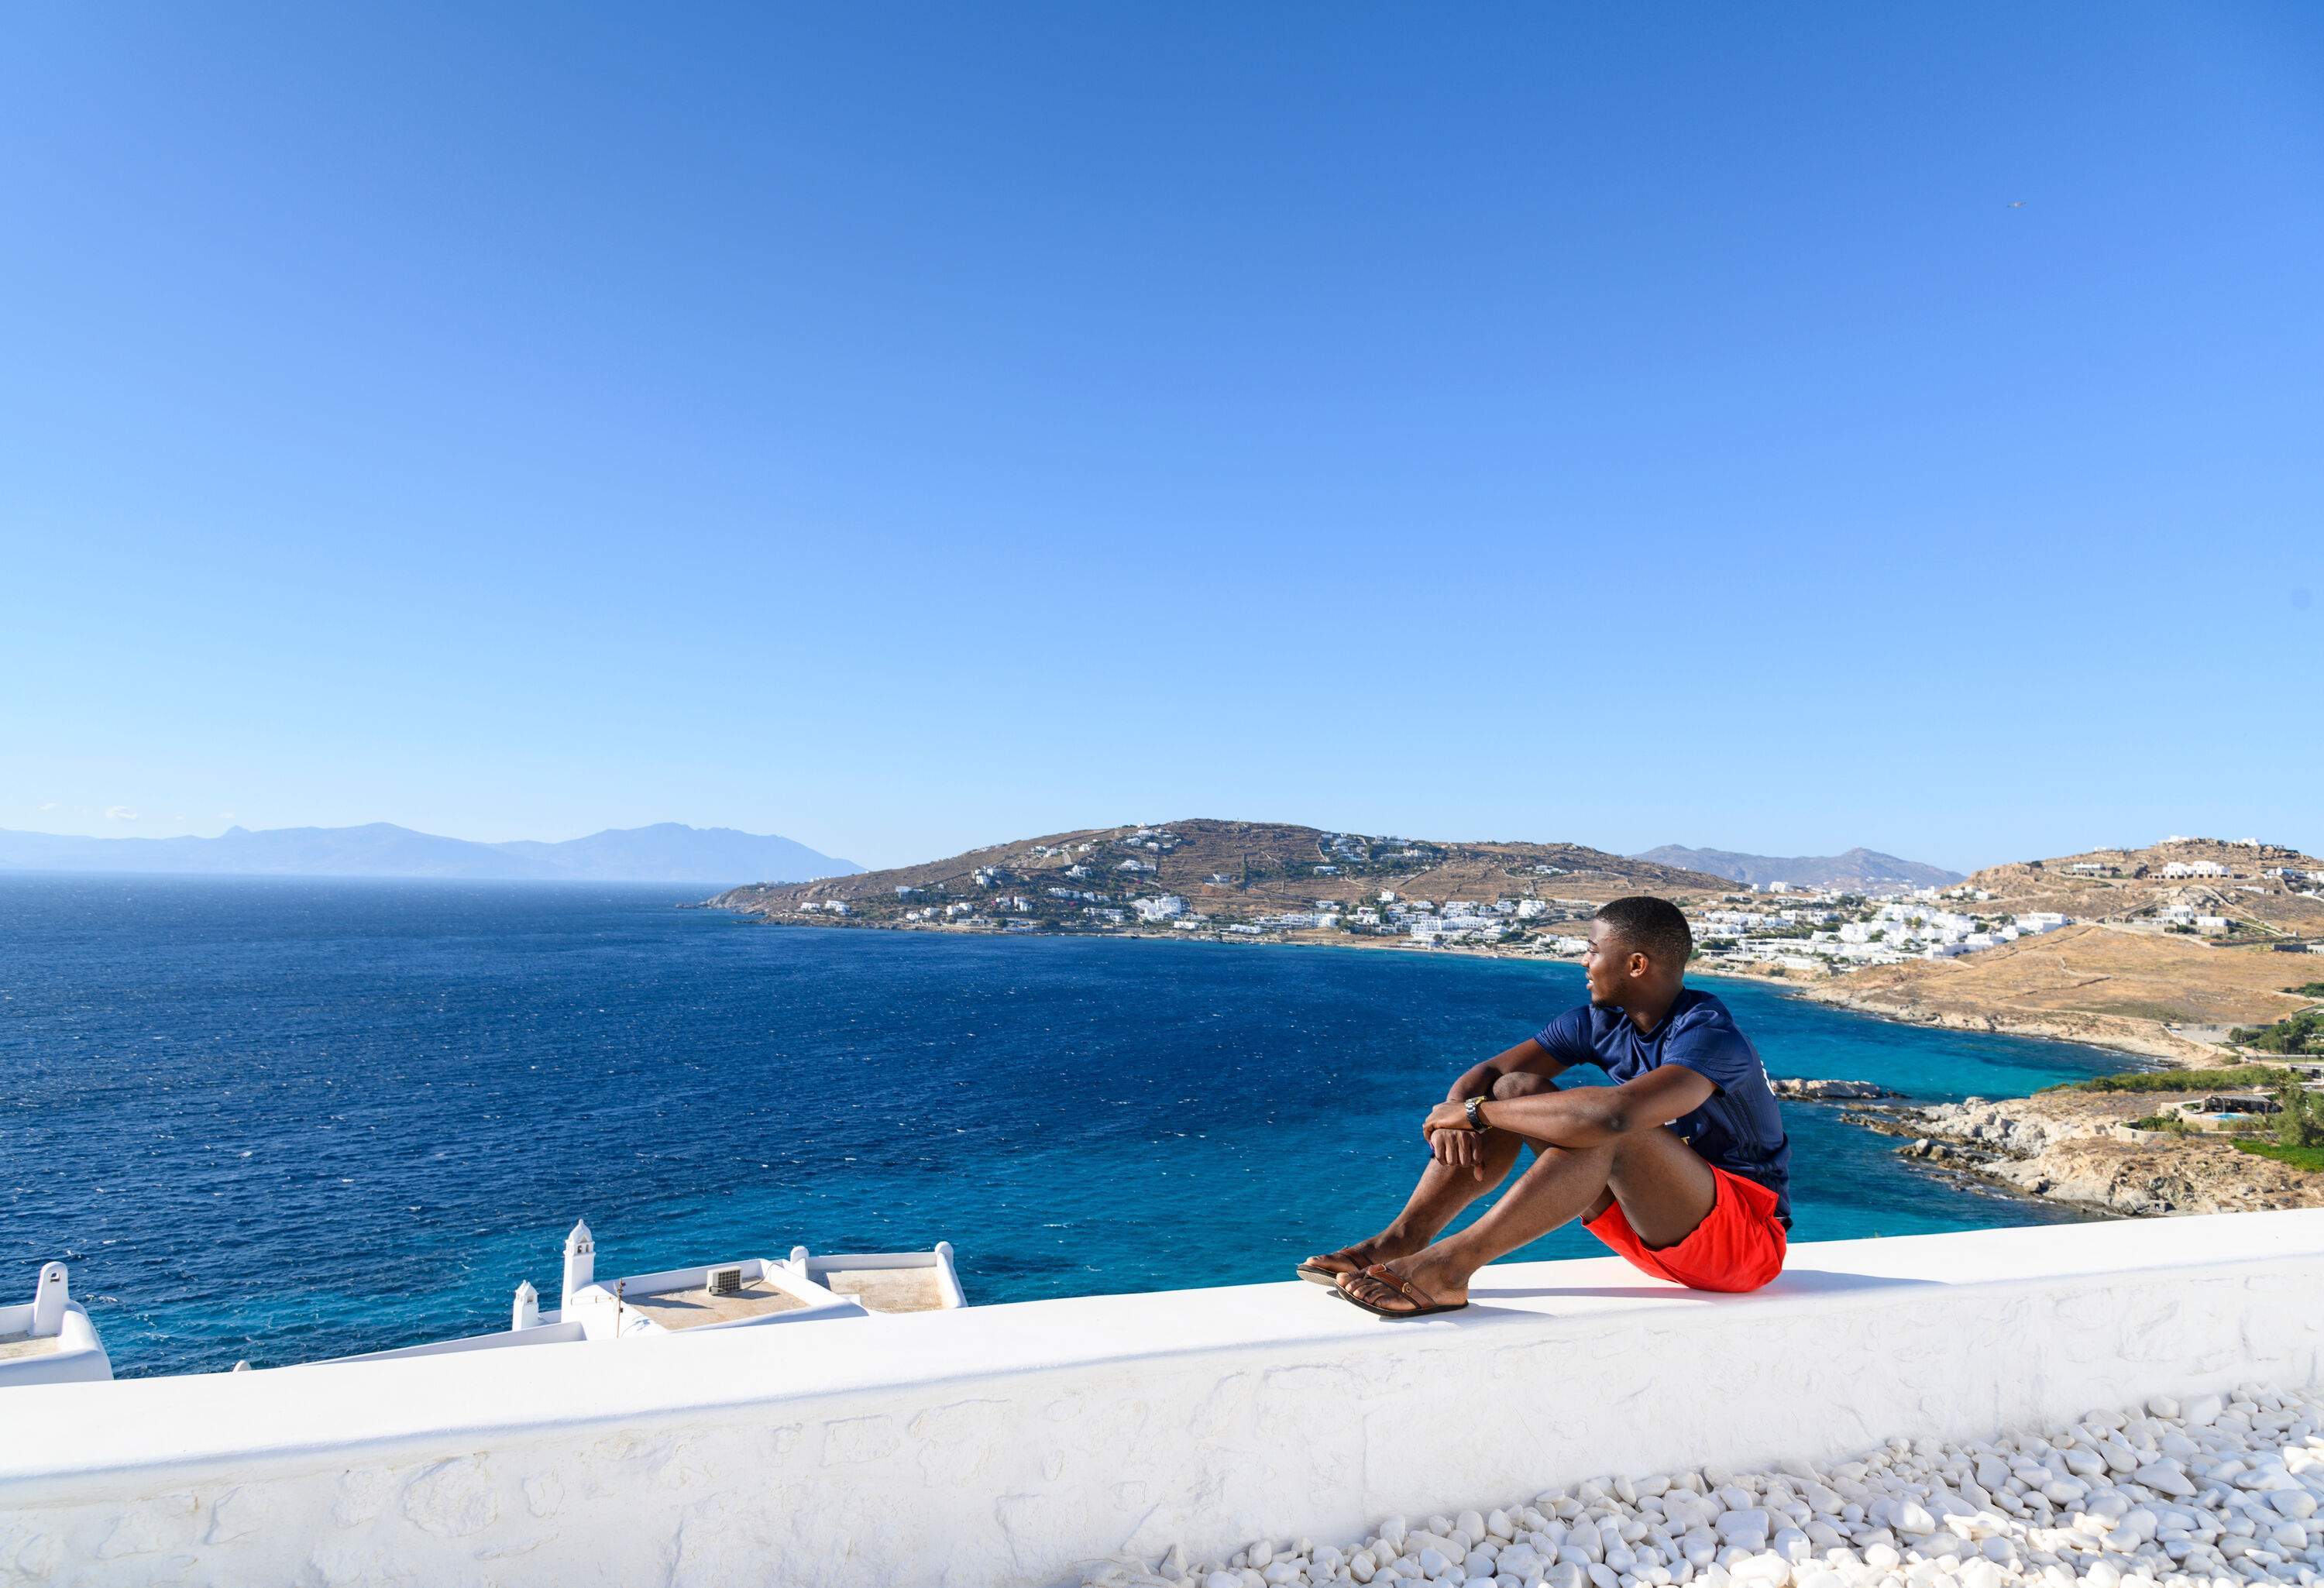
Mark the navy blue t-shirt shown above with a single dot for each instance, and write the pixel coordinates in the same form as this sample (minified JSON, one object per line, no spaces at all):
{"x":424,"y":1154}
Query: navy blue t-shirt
{"x":1739,"y":1129}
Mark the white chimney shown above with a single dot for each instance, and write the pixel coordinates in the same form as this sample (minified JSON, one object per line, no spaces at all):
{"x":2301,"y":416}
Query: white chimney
{"x":48,"y":1302}
{"x":580,"y":1263}
{"x":526,"y":1314}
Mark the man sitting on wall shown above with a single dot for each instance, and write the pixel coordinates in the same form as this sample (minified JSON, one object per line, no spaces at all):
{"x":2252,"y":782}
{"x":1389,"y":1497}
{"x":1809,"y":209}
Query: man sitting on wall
{"x":1681,"y":1165}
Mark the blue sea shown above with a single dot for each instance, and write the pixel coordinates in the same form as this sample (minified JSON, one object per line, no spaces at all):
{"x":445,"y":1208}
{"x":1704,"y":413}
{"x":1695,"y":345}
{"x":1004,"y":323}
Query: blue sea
{"x":285,"y":1120}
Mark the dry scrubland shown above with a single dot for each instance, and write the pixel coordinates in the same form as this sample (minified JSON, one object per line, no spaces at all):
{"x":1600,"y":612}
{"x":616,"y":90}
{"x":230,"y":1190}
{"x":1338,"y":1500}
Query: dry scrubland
{"x":2119,"y":979}
{"x":2097,"y":983}
{"x":2139,"y":885}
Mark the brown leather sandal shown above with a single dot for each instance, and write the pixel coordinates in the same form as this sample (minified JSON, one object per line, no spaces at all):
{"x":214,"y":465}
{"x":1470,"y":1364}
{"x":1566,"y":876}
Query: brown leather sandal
{"x":1328,"y":1277}
{"x":1422,"y":1306}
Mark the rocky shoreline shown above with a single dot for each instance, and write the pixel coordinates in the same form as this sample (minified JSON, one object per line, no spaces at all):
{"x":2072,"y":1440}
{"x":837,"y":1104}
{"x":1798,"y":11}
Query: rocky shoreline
{"x":1793,"y":1089}
{"x":2062,"y":1146}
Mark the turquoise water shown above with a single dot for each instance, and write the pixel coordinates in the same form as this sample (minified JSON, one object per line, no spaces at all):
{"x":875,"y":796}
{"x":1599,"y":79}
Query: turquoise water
{"x":287,"y":1120}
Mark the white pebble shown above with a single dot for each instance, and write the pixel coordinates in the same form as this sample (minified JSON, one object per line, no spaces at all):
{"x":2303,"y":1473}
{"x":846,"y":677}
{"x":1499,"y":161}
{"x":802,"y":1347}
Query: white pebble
{"x":2225,"y":1489}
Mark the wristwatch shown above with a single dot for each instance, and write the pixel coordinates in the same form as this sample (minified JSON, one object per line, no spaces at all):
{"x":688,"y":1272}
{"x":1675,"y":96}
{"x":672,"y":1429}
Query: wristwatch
{"x":1475,"y":1109}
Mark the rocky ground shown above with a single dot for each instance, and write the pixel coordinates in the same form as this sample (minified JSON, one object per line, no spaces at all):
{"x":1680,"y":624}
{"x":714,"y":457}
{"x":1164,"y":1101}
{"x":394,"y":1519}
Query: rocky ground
{"x":2222,"y":1491}
{"x":2061,"y":1145}
{"x":1797,"y":1090}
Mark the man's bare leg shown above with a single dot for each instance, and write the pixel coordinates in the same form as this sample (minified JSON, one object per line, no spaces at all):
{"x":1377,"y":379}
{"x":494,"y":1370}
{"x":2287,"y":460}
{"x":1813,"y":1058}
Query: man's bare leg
{"x":1442,"y":1192}
{"x":1663,"y":1187}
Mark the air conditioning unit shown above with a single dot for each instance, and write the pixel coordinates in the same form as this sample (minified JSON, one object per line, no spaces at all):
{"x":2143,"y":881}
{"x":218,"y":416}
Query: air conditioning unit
{"x":727,"y":1281}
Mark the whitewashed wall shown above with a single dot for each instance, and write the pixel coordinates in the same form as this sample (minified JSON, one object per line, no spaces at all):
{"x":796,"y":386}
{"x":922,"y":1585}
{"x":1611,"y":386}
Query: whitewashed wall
{"x":1004,"y":1444}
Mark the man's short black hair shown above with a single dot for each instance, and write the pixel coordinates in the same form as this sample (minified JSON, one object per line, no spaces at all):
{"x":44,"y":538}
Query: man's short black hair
{"x":1651,"y":927}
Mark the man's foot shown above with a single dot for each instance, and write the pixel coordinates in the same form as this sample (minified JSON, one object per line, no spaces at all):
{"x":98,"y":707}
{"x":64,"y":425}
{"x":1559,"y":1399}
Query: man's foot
{"x":1410,"y":1287}
{"x":1327,"y":1269}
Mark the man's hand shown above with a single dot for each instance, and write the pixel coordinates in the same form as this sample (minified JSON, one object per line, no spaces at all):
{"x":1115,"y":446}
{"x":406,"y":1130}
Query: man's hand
{"x":1452,"y":1114}
{"x":1449,"y":1137}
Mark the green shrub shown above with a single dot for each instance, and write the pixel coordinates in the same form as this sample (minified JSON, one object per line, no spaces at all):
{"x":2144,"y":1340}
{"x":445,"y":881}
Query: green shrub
{"x":2301,"y":1123}
{"x":2161,"y":1121}
{"x":2237,"y":1078}
{"x":2300,"y":1033}
{"x":2311,"y":1159}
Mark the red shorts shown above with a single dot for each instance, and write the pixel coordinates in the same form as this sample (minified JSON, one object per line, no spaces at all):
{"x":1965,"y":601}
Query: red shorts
{"x":1739,"y":1245}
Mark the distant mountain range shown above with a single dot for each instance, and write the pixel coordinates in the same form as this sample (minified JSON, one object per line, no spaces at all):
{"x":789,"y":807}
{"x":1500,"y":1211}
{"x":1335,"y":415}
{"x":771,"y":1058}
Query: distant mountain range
{"x":1865,"y":871}
{"x":667,"y":852}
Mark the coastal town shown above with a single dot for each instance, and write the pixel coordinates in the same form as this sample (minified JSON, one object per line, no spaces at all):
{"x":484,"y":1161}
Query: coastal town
{"x":1260,"y":882}
{"x":2195,"y":953}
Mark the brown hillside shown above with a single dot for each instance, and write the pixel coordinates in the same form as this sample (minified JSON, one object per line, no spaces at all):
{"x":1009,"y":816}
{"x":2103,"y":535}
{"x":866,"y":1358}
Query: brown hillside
{"x":1231,"y":871}
{"x":2089,"y":982}
{"x":2132,"y":886}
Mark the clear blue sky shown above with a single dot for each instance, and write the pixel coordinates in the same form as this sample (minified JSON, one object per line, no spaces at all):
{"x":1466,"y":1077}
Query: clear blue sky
{"x":903,"y":427}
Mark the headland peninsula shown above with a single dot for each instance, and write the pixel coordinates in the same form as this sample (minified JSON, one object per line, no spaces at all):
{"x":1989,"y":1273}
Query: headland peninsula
{"x":2192,"y":953}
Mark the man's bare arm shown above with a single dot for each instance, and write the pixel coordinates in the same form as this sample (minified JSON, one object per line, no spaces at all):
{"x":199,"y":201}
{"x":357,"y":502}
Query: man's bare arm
{"x":1528,"y":1057}
{"x":1584,"y":1116}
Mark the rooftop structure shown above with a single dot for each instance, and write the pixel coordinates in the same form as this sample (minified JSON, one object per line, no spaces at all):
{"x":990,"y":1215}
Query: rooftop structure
{"x":887,"y":1281}
{"x":48,"y":1340}
{"x":708,"y":1297}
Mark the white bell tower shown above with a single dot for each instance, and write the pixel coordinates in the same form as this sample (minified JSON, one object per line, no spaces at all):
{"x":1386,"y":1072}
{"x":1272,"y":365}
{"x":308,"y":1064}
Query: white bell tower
{"x":580,"y":1262}
{"x":526,"y":1313}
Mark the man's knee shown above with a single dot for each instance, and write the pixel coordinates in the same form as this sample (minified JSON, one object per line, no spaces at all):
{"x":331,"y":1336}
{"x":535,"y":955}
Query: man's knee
{"x":1521,"y":1083}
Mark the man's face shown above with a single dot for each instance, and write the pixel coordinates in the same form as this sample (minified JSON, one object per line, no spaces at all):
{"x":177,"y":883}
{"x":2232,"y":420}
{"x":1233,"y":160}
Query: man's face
{"x":1606,"y":964}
